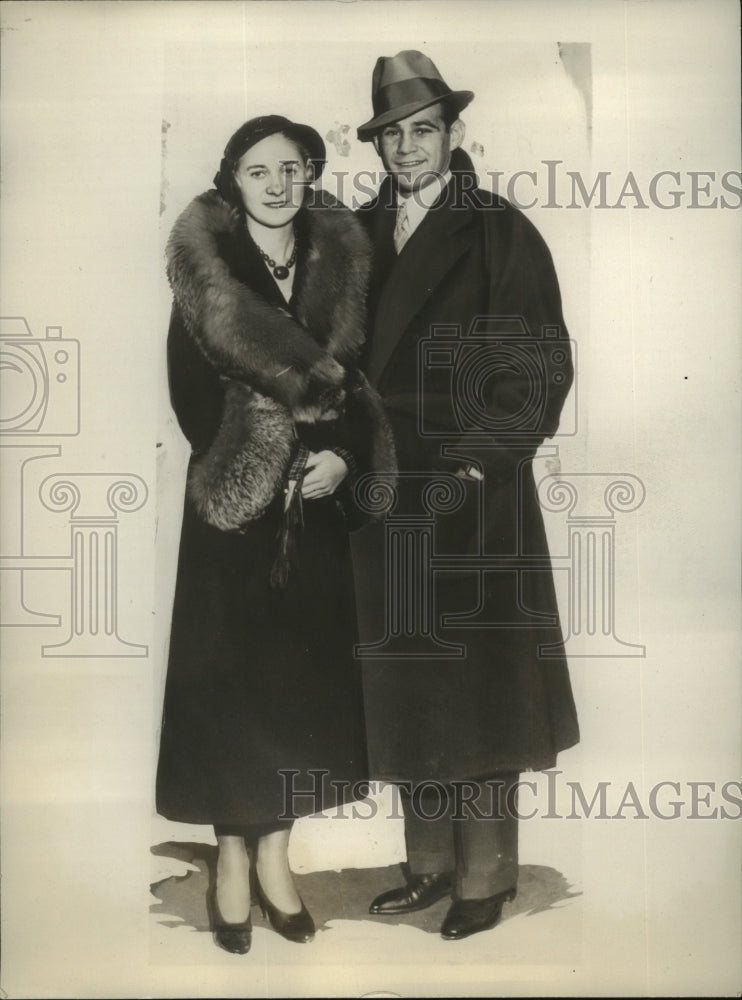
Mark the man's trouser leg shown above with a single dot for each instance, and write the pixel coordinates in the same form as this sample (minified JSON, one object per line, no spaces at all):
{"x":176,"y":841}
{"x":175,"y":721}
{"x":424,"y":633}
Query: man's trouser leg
{"x":428,"y":833}
{"x":485,"y":834}
{"x":468,"y":828}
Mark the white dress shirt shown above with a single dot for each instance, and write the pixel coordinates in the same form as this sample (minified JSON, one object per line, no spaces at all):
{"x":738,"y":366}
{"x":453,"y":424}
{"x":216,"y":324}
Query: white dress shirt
{"x":416,"y":205}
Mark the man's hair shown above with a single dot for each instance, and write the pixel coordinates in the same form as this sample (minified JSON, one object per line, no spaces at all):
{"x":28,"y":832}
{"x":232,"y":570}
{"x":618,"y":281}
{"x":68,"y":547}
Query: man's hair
{"x":449,"y":113}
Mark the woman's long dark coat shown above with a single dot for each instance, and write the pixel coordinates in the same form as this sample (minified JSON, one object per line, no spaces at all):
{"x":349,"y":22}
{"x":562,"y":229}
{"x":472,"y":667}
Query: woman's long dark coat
{"x":262,"y":679}
{"x":503,"y":706}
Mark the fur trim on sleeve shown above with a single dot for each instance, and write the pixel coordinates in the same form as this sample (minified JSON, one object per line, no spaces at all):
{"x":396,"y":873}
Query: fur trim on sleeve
{"x":238,"y":477}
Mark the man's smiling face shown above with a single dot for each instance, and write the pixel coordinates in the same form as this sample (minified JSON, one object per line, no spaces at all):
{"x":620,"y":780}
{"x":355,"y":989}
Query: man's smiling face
{"x":418,"y":149}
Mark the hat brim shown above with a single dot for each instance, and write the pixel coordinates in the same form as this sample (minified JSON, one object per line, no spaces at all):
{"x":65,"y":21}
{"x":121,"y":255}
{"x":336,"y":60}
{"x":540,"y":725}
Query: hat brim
{"x":459,"y":98}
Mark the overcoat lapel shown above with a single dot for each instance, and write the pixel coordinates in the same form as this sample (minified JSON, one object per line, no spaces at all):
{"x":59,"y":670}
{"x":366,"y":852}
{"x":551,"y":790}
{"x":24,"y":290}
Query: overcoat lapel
{"x":432,"y":250}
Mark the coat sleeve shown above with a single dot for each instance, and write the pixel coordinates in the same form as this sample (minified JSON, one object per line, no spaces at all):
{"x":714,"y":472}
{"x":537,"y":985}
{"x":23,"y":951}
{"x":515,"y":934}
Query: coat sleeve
{"x":196,"y":390}
{"x":239,"y":333}
{"x":369,"y":434}
{"x":534,"y":371}
{"x":365,"y":437}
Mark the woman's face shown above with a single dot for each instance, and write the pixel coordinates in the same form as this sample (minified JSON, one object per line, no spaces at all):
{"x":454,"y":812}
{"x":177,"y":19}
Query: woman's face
{"x":271,"y":177}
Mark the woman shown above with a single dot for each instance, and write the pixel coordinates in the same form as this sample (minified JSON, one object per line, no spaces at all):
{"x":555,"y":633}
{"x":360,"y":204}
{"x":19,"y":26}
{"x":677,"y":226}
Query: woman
{"x":263,"y":694}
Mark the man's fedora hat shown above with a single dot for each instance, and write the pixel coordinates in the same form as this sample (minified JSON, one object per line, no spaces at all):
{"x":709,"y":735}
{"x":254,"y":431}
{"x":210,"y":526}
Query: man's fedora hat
{"x":404,"y":84}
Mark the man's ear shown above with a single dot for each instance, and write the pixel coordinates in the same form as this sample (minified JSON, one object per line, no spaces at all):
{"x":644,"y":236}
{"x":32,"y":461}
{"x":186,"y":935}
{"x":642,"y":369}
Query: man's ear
{"x":457,"y":133}
{"x":377,"y":144}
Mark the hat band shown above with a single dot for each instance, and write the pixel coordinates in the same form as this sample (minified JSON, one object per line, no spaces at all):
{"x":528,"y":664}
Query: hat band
{"x":396,"y":95}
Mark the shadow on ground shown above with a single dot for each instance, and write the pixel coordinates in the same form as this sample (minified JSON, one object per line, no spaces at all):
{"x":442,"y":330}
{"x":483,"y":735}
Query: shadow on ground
{"x":329,"y":896}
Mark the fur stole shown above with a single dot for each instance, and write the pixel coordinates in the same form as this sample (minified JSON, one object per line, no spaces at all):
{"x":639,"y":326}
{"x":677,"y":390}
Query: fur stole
{"x":298,"y":362}
{"x":279,"y":369}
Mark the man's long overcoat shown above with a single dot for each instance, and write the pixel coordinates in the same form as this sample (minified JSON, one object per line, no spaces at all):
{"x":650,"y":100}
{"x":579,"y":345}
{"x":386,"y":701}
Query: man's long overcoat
{"x":470,"y":353}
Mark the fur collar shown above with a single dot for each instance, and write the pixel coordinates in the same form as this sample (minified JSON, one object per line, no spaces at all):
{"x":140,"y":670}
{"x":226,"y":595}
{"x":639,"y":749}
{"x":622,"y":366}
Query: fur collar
{"x":278,"y":369}
{"x":298,"y":362}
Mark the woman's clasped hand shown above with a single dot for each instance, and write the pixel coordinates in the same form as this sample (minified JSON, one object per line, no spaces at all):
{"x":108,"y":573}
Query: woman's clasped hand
{"x":324,"y":473}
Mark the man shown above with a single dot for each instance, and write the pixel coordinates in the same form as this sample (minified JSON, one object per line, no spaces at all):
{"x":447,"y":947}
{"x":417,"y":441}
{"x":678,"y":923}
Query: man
{"x":456,"y":730}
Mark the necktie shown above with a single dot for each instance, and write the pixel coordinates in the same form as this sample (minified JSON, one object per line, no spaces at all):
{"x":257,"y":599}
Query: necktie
{"x":401,"y":228}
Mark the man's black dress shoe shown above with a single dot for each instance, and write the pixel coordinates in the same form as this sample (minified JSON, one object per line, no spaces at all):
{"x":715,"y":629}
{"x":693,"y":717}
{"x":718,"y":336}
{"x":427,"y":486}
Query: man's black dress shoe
{"x":421,"y":891}
{"x":469,"y":916}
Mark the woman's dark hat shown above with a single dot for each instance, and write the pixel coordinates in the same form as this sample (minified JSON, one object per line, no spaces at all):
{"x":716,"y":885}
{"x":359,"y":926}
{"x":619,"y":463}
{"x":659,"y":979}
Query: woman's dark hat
{"x":253,"y":132}
{"x":404,"y":84}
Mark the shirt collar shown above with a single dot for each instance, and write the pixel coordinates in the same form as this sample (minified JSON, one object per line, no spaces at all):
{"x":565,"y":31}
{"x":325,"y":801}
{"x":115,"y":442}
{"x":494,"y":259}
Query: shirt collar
{"x":418,"y":202}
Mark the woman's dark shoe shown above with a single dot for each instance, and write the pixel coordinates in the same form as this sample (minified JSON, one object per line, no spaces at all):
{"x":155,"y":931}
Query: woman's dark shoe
{"x":469,"y":916}
{"x":421,"y":892}
{"x":298,"y":927}
{"x":236,"y":938}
